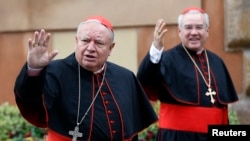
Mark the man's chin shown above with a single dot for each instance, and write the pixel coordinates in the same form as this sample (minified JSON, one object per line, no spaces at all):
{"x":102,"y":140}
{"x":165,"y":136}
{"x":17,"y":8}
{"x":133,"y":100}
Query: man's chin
{"x":89,"y":65}
{"x":194,"y":46}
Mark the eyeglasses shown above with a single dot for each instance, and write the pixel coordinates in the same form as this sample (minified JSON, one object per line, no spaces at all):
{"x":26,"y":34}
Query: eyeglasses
{"x":198,"y":27}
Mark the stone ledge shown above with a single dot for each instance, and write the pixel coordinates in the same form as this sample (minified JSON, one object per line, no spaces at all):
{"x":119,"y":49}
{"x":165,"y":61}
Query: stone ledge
{"x":242,"y":108}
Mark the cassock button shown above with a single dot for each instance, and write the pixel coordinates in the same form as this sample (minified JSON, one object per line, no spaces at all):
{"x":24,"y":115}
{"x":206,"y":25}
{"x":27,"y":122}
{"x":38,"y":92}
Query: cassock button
{"x":103,"y":93}
{"x":110,"y":112}
{"x":114,"y":131}
{"x":106,"y":102}
{"x":112,"y":122}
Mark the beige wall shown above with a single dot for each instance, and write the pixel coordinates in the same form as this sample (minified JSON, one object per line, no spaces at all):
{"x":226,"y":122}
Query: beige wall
{"x":61,"y":15}
{"x":125,"y":51}
{"x":66,"y":14}
{"x":133,"y":22}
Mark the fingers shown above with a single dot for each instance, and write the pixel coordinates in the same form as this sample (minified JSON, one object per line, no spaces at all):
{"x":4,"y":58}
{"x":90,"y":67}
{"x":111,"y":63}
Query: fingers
{"x":46,"y":41}
{"x":35,"y":39}
{"x":38,"y":54}
{"x":160,"y":27}
{"x":53,"y":54}
{"x":160,"y":30}
{"x":30,"y":44}
{"x":40,"y":39}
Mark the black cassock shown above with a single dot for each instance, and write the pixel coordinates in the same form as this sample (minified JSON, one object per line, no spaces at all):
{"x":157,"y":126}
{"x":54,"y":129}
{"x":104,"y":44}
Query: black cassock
{"x":185,"y":109}
{"x":50,"y":100}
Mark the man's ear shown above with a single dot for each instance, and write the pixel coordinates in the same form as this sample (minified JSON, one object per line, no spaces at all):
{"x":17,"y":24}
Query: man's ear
{"x":112,"y":46}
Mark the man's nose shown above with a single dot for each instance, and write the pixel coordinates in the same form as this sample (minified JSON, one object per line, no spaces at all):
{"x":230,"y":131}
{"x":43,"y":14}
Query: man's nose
{"x":91,"y":46}
{"x":194,"y":31}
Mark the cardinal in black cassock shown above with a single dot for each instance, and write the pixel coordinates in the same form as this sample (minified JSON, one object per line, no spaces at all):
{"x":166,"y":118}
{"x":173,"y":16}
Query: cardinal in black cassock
{"x":192,"y":83}
{"x":52,"y":100}
{"x":186,"y":110}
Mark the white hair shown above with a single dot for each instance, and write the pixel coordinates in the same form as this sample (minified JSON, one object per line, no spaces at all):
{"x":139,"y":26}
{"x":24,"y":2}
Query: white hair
{"x":111,"y":32}
{"x":180,"y":17}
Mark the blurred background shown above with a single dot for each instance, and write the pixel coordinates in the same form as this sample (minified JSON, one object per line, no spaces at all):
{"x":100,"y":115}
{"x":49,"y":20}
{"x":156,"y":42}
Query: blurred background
{"x":133,"y":22}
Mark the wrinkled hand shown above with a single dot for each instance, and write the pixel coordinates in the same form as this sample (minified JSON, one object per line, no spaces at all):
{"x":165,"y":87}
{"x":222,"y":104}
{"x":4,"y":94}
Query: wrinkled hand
{"x":38,"y":54}
{"x":160,"y":30}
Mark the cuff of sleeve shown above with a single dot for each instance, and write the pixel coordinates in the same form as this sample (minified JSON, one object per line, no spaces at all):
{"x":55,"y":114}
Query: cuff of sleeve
{"x":155,"y":54}
{"x":34,"y":72}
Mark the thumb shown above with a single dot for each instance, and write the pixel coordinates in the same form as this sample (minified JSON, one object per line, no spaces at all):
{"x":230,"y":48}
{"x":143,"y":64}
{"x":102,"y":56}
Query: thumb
{"x":53,"y":54}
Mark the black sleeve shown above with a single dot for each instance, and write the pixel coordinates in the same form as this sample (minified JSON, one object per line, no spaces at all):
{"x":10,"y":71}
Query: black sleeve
{"x":28,"y":92}
{"x":149,"y":77}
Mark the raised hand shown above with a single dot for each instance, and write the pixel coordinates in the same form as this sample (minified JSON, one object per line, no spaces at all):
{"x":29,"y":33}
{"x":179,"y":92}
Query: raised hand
{"x":159,"y":32}
{"x":38,"y":54}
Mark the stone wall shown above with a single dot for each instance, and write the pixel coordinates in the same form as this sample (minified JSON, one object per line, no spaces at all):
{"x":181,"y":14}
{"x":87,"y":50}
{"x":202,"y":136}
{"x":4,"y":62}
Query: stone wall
{"x":237,"y":15}
{"x":237,"y":31}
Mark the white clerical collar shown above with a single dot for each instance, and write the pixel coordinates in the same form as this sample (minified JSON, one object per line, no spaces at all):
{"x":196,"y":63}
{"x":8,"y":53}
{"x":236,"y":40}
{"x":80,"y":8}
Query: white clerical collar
{"x":199,"y":51}
{"x":100,"y":70}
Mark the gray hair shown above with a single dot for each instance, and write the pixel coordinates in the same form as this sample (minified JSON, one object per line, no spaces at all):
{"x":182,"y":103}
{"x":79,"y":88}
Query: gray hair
{"x":111,"y":32}
{"x":180,"y":17}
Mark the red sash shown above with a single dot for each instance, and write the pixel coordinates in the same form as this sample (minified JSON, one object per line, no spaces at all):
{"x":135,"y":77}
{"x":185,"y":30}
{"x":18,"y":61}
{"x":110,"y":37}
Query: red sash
{"x":53,"y":136}
{"x":190,"y":118}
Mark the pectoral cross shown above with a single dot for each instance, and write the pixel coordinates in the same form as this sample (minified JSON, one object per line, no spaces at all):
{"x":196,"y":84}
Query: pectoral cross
{"x":211,"y":93}
{"x":75,"y":133}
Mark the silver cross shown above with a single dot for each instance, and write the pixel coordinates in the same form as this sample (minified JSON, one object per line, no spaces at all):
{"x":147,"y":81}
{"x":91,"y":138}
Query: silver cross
{"x":211,"y":93}
{"x":75,"y":133}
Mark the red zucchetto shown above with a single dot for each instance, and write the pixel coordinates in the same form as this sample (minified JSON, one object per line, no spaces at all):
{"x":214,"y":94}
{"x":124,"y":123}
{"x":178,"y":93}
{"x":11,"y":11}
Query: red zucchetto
{"x":101,"y":20}
{"x":192,"y":8}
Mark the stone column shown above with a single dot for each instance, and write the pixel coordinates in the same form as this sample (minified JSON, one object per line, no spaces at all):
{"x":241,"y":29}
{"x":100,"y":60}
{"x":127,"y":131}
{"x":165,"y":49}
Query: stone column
{"x":237,"y":37}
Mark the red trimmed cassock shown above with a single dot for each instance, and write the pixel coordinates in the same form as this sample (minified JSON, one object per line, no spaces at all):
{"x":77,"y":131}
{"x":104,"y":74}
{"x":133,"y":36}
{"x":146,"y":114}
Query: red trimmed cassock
{"x":50,"y":100}
{"x":185,"y":109}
